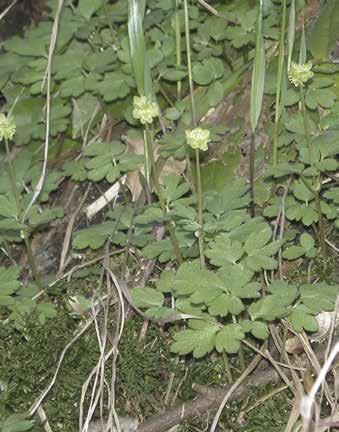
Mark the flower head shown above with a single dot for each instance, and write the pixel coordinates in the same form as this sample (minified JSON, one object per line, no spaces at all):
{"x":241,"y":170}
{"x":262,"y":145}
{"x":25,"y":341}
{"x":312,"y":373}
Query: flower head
{"x":198,"y":138}
{"x":7,"y":127}
{"x":144,"y":109}
{"x":299,"y":74}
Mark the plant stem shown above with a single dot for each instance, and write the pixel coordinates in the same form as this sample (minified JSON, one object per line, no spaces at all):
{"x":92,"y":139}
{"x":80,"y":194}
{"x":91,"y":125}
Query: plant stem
{"x":306,"y":125}
{"x":24,"y":232}
{"x":200,"y":210}
{"x":149,"y":146}
{"x":177,"y":44}
{"x":189,"y":63}
{"x":227,"y":367}
{"x":194,"y":121}
{"x":279,"y":80}
{"x":252,"y":166}
{"x":321,"y":221}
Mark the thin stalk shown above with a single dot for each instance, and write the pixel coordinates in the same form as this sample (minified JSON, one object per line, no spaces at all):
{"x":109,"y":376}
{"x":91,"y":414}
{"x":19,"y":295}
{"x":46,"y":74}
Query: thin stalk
{"x":306,"y":125}
{"x":200,"y":210}
{"x":170,"y":227}
{"x":306,"y":183}
{"x":252,"y":166}
{"x":227,"y":368}
{"x":279,"y":80}
{"x":189,"y":63}
{"x":177,"y":44}
{"x":24,"y":232}
{"x":322,"y":238}
{"x":194,"y":121}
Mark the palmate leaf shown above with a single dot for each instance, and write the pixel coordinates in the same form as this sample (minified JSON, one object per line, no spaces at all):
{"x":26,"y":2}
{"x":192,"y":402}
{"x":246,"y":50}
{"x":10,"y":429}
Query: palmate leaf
{"x":318,"y":298}
{"x":146,"y":297}
{"x":172,"y":189}
{"x":229,"y":339}
{"x":9,"y":280}
{"x":232,"y":197}
{"x":225,"y":304}
{"x":301,"y":319}
{"x":260,"y":252}
{"x":199,"y":339}
{"x":258,"y":329}
{"x":237,"y":280}
{"x":223,"y":250}
{"x":93,"y":237}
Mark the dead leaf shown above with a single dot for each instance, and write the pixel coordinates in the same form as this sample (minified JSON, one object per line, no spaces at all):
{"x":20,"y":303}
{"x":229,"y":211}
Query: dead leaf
{"x":136,"y":145}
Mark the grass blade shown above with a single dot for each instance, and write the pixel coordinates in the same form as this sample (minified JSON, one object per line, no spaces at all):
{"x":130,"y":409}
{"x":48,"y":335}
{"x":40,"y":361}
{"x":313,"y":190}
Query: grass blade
{"x":140,"y":64}
{"x":258,"y":75}
{"x":291,"y":33}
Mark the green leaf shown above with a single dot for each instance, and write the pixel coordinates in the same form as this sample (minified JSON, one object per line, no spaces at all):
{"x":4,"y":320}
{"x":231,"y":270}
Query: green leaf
{"x":259,"y":330}
{"x":9,"y":280}
{"x":223,"y":250}
{"x":319,"y":297}
{"x":87,"y":8}
{"x":259,"y":255}
{"x":257,"y":240}
{"x":174,"y":74}
{"x":301,"y":319}
{"x":283,"y":292}
{"x":229,"y":339}
{"x":8,"y":207}
{"x":146,"y":297}
{"x":293,"y":252}
{"x":75,"y":170}
{"x":333,"y":194}
{"x":93,"y":237}
{"x":225,"y":304}
{"x":200,"y":339}
{"x":307,"y":241}
{"x":236,"y":279}
{"x":215,"y":93}
{"x":267,"y":309}
{"x":14,"y":424}
{"x":172,"y":189}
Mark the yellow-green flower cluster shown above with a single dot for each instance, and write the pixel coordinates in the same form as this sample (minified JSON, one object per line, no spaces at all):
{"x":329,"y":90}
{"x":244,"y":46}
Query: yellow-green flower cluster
{"x":7,"y":127}
{"x":299,"y":74}
{"x":198,"y":138}
{"x":144,"y":109}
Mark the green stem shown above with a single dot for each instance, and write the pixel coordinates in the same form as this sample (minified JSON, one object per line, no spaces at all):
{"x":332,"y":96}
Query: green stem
{"x":252,"y":167}
{"x":194,"y":121}
{"x":200,"y":210}
{"x":306,"y":125}
{"x":315,"y":192}
{"x":170,"y":227}
{"x":24,"y":232}
{"x":321,"y":221}
{"x":279,"y":80}
{"x":189,"y":63}
{"x":227,"y":368}
{"x":177,"y":44}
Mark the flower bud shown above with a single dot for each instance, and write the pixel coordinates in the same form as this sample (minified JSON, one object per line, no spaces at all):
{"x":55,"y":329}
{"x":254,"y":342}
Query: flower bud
{"x":7,"y":127}
{"x":299,"y":74}
{"x":144,"y":109}
{"x":198,"y":138}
